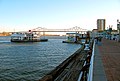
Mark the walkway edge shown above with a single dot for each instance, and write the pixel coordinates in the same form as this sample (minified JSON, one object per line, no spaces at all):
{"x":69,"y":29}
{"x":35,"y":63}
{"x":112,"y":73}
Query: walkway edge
{"x":98,"y":69}
{"x":90,"y":76}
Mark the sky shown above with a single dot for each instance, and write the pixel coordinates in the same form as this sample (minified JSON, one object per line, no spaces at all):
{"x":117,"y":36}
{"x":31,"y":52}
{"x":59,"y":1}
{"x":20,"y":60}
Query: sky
{"x":23,"y":15}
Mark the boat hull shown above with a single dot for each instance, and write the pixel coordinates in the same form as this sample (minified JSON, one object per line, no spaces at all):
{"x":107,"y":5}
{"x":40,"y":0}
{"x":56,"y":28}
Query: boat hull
{"x":72,"y":42}
{"x":40,"y":40}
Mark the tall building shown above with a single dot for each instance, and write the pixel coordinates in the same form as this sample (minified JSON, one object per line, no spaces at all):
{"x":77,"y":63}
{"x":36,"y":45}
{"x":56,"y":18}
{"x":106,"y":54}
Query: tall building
{"x":101,"y":24}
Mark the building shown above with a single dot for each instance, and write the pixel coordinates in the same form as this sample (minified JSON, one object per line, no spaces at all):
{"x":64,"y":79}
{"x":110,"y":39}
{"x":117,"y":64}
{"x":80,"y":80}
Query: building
{"x":95,"y":33}
{"x":101,"y":24}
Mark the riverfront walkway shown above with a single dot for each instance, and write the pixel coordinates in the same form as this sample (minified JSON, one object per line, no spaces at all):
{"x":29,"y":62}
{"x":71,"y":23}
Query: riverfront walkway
{"x":110,"y":54}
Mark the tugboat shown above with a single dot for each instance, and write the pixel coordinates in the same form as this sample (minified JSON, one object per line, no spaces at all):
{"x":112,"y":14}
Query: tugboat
{"x":26,"y":37}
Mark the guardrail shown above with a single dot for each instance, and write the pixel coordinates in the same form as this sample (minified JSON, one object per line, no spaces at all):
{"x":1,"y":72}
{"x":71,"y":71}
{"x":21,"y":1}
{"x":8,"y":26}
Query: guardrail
{"x":86,"y":72}
{"x":90,"y":75}
{"x":81,"y":74}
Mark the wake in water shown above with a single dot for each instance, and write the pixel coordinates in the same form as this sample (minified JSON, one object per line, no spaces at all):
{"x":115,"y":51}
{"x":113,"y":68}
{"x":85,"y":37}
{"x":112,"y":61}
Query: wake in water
{"x":5,"y":42}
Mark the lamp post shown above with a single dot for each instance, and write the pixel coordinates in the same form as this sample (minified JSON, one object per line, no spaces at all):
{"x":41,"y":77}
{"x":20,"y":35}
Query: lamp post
{"x":118,"y":27}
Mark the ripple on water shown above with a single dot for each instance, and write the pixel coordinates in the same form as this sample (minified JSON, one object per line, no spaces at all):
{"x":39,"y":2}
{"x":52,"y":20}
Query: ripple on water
{"x":31,"y":61}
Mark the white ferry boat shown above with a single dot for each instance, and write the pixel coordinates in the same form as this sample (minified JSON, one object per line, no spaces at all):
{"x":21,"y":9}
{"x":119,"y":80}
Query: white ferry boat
{"x":26,"y":37}
{"x":75,"y":38}
{"x":72,"y":38}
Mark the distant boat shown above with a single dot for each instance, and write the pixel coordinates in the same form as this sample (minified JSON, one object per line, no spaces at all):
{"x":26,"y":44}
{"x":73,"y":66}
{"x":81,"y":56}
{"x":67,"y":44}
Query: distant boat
{"x":26,"y":37}
{"x":77,"y":38}
{"x":72,"y":38}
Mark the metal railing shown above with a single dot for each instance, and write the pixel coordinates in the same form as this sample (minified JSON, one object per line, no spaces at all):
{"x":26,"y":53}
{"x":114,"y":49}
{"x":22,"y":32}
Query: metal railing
{"x":80,"y":76}
{"x":90,"y":75}
{"x":87,"y":73}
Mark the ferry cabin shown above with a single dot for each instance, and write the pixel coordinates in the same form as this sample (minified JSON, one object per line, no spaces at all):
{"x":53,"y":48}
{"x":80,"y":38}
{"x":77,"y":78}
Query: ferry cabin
{"x":75,"y":37}
{"x":23,"y":36}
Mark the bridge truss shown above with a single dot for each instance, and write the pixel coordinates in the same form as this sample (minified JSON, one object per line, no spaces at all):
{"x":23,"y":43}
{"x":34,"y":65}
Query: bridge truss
{"x":73,"y":29}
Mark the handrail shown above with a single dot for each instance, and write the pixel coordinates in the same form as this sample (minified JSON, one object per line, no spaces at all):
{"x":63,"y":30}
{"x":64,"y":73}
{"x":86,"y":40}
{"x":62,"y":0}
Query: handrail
{"x":80,"y":76}
{"x":90,"y":75}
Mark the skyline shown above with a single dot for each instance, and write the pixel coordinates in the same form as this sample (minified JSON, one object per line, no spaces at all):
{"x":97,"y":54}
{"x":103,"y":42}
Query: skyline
{"x":22,"y":15}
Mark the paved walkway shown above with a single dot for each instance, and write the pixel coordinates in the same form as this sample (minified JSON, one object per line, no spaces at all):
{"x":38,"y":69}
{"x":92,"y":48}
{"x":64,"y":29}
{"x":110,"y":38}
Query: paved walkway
{"x":110,"y":55}
{"x":98,"y":69}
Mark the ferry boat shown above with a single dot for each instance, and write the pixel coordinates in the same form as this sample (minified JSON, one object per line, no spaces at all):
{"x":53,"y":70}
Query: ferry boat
{"x":72,"y":38}
{"x":75,"y":38}
{"x":26,"y":37}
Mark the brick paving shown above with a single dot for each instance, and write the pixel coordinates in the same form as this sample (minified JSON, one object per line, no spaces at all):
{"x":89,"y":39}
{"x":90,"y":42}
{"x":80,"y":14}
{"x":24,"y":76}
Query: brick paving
{"x":110,"y":54}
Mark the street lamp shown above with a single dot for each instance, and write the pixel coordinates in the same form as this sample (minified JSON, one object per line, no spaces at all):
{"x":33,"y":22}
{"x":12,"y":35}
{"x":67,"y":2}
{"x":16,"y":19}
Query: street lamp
{"x":119,"y":31}
{"x":118,"y":27}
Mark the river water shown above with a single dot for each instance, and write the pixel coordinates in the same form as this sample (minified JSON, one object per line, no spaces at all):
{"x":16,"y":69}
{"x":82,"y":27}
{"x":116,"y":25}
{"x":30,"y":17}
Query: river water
{"x":31,"y":61}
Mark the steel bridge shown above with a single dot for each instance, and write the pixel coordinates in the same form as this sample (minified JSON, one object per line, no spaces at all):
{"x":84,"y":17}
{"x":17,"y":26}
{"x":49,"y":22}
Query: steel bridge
{"x":73,"y":29}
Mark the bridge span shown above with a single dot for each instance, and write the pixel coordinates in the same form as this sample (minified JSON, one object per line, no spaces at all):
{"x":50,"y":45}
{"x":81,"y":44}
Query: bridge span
{"x":74,"y":29}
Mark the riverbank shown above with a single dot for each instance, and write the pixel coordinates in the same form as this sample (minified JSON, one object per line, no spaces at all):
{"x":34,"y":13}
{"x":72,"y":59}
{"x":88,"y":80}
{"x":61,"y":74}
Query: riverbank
{"x":4,"y":34}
